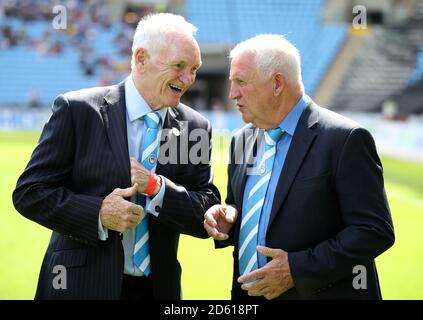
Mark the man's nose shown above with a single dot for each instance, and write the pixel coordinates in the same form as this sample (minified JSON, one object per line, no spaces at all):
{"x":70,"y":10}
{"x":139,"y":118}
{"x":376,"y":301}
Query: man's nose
{"x":187,"y":78}
{"x":233,"y":93}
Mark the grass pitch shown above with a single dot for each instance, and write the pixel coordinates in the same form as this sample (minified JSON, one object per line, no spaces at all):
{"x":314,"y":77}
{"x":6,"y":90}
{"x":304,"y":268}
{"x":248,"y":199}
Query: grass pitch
{"x":206,"y":272}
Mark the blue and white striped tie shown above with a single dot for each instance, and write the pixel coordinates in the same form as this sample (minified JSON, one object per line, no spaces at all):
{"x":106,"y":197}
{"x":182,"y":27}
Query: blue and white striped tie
{"x":149,"y":152}
{"x":251,"y":212}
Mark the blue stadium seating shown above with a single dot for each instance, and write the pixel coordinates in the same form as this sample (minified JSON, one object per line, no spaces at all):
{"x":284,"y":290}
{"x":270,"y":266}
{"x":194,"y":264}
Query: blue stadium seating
{"x":219,"y":21}
{"x":299,"y":20}
{"x":418,"y":72}
{"x":25,"y":70}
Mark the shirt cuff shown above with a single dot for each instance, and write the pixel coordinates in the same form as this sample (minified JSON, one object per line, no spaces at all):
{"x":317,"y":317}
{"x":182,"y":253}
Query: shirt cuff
{"x":103,"y":233}
{"x":153,"y":205}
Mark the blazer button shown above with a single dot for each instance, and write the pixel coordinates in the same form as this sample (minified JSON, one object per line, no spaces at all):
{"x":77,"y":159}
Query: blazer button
{"x":157,"y":208}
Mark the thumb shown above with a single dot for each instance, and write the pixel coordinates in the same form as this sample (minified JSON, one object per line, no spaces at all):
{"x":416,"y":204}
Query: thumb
{"x":129,"y":192}
{"x":268,"y":252}
{"x":231,"y":214}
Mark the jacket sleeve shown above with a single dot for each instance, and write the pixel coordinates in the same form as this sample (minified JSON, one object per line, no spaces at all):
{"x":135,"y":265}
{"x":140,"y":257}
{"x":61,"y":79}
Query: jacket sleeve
{"x":230,"y":200}
{"x":184,"y":204}
{"x":364,"y":209}
{"x":41,"y":192}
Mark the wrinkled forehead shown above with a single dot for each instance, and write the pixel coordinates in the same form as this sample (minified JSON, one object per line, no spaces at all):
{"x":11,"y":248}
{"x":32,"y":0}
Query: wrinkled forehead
{"x":242,"y":64}
{"x":179,"y":46}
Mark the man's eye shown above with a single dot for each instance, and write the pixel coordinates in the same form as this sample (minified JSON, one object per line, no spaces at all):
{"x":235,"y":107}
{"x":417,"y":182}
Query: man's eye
{"x":179,"y":65}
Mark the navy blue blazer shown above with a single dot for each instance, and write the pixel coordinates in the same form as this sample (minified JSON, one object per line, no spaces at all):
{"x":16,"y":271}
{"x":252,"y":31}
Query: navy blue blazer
{"x":81,"y":157}
{"x":330,"y":211}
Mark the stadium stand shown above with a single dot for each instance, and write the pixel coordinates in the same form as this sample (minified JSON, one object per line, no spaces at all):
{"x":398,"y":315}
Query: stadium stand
{"x":85,"y":52}
{"x":230,"y":22}
{"x":39,"y":62}
{"x":381,"y":67}
{"x":418,"y":71}
{"x":387,"y":66}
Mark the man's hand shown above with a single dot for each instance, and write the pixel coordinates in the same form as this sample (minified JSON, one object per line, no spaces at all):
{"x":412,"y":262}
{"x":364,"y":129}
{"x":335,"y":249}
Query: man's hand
{"x":140,"y":175}
{"x":118,"y":214}
{"x":271,"y":280}
{"x":218,"y":221}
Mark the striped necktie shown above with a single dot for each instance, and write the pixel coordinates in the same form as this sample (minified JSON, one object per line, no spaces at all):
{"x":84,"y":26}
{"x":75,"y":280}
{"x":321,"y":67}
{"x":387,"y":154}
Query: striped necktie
{"x":251,"y":212}
{"x":149,"y":152}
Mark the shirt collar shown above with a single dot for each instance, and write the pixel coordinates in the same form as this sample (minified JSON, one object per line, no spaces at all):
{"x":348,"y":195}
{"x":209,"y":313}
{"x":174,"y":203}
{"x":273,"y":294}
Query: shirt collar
{"x":136,"y":106}
{"x":289,"y":123}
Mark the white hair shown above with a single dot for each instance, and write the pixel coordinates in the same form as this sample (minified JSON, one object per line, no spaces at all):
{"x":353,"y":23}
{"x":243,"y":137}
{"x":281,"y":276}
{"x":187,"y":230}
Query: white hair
{"x":152,"y":30}
{"x":273,"y":53}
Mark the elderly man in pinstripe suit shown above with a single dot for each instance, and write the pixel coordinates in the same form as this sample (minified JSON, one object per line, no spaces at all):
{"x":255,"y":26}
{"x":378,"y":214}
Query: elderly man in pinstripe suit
{"x":97,"y":180}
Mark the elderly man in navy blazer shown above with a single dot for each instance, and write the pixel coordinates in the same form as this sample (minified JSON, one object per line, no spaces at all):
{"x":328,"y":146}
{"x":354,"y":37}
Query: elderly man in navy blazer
{"x":306,"y":208}
{"x":111,"y":177}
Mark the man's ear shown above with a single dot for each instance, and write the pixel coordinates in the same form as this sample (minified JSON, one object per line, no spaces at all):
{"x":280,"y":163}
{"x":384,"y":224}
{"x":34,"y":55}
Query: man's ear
{"x":278,"y":83}
{"x":141,"y":58}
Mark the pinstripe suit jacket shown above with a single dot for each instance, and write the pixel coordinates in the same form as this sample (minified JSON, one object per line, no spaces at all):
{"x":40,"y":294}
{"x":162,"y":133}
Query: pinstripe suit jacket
{"x":81,"y":157}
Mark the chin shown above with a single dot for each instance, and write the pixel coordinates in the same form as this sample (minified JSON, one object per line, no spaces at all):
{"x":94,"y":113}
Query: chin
{"x":174,"y":103}
{"x":245,"y":118}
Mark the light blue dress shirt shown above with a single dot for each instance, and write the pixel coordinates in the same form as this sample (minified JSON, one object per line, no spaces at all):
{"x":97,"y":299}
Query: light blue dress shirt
{"x":136,"y":107}
{"x":288,"y":125}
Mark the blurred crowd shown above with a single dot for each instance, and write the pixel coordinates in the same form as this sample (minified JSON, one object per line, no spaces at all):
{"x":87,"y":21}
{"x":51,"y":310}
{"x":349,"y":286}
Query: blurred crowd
{"x":85,"y":21}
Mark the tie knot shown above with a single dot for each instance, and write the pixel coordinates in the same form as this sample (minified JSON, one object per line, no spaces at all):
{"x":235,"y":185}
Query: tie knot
{"x":272,"y":136}
{"x":152,"y":120}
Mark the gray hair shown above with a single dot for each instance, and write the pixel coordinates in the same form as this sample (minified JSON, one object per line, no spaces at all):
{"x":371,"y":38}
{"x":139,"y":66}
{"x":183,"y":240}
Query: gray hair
{"x":152,"y":30}
{"x":273,"y":53}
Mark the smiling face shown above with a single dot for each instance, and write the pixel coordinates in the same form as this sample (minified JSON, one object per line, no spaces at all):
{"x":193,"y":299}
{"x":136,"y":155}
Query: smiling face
{"x":164,"y":76}
{"x":254,"y":95}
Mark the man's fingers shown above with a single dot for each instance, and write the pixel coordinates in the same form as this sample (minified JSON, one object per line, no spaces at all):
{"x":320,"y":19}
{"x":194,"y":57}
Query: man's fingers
{"x":135,"y":209}
{"x":214,"y":233}
{"x":134,"y":219}
{"x":128,"y":192}
{"x":254,"y":293}
{"x":210,"y":220}
{"x":133,"y":161}
{"x":257,"y":285}
{"x":213,"y":213}
{"x":269,"y":252}
{"x":256,"y":274}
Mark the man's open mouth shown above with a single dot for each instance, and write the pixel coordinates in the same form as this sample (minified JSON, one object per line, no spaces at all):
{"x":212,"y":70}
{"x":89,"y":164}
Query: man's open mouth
{"x":175,"y":88}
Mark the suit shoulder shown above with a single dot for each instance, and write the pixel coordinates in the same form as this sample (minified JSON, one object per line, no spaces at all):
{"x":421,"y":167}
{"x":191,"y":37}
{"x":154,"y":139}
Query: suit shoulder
{"x":338,"y":129}
{"x":331,"y":120}
{"x":188,"y":114}
{"x":88,"y":95}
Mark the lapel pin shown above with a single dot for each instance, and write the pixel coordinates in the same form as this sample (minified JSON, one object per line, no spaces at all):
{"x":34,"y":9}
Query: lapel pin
{"x":176,"y":132}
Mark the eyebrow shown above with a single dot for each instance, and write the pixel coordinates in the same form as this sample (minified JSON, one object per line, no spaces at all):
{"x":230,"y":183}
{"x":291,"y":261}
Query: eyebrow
{"x":197,"y":66}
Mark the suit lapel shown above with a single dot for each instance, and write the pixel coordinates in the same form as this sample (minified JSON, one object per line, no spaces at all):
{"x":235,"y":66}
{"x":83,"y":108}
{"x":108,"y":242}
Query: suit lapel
{"x":249,"y":144}
{"x":300,"y":144}
{"x":114,"y":116}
